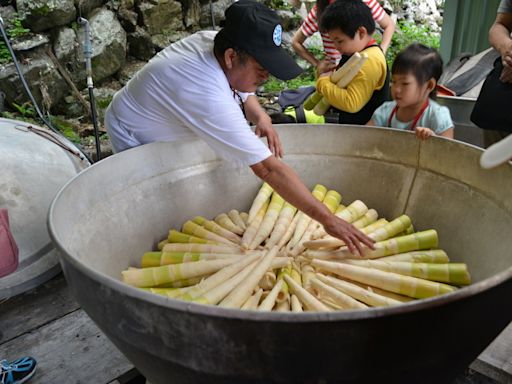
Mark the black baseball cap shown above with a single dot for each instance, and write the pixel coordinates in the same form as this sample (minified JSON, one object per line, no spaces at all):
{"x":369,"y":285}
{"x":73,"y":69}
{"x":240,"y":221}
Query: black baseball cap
{"x":256,"y":29}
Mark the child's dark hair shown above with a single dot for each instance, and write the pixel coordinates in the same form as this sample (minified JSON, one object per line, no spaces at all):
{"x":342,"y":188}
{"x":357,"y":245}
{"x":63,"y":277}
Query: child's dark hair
{"x":423,"y":62}
{"x":347,"y":16}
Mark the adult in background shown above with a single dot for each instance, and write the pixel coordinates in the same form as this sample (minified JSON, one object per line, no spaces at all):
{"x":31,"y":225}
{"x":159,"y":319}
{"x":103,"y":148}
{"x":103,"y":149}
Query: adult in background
{"x":188,"y":90}
{"x":311,"y":25}
{"x":492,"y":108}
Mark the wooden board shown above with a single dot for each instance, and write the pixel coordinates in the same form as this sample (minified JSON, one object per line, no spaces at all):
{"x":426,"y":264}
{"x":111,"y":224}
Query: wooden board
{"x":70,"y":350}
{"x":496,"y":361}
{"x":42,"y":305}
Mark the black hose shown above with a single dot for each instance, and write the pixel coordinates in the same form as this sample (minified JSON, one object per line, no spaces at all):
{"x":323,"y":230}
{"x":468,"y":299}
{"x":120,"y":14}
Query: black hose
{"x":31,"y":97}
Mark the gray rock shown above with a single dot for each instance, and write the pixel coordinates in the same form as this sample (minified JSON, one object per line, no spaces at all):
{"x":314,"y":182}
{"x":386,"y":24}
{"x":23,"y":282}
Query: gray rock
{"x":128,"y":19}
{"x":140,"y":45}
{"x":218,"y":8}
{"x":129,"y":70}
{"x":85,"y":7}
{"x":40,"y":74}
{"x":163,"y":16}
{"x":68,"y":48}
{"x":191,"y":13}
{"x":161,"y":41}
{"x":109,"y":44}
{"x":41,"y":15}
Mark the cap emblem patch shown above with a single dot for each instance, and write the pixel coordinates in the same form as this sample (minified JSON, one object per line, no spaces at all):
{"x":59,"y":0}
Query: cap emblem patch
{"x":276,"y":36}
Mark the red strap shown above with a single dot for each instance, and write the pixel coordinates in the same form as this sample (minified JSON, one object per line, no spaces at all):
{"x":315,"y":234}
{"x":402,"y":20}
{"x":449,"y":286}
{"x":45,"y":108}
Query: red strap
{"x":417,"y":118}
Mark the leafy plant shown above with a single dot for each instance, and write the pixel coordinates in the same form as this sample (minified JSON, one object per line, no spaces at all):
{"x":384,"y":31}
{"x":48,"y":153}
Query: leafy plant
{"x":66,"y":128}
{"x":407,"y":33}
{"x":279,"y":4}
{"x":16,"y":29}
{"x":26,"y":109}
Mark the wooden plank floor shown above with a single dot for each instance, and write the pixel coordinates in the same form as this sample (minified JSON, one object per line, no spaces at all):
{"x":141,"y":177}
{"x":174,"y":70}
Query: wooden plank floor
{"x":48,"y":324}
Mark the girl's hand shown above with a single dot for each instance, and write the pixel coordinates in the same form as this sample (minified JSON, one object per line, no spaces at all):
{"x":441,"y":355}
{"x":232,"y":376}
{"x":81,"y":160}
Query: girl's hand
{"x":324,"y":68}
{"x":423,"y":133}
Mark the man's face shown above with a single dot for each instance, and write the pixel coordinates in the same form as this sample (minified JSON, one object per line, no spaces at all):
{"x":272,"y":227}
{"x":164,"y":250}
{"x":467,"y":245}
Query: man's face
{"x":246,"y":75}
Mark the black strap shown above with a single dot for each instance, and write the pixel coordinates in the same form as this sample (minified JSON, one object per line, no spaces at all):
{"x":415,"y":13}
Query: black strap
{"x":300,"y":115}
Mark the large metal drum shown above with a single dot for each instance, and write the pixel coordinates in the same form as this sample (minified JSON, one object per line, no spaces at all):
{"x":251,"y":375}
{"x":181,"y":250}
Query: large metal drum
{"x":148,"y":190}
{"x":34,"y":164}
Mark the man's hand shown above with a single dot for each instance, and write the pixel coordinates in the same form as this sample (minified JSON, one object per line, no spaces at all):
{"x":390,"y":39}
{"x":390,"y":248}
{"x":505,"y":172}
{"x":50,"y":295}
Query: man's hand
{"x":352,"y":237}
{"x":264,"y":128}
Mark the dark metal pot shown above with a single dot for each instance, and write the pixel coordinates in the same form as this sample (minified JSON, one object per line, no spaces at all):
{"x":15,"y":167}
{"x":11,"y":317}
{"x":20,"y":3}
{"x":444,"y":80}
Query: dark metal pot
{"x":107,"y":216}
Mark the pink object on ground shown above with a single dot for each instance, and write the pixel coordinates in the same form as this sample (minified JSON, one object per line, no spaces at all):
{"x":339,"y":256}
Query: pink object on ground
{"x":8,"y":247}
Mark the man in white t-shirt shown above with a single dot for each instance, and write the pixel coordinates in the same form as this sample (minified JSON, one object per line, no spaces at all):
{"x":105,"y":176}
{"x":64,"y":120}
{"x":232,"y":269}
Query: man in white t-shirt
{"x":190,"y":89}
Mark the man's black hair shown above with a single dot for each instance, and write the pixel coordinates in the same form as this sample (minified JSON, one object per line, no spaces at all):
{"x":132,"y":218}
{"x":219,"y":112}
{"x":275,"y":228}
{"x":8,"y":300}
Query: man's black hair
{"x":423,"y":62}
{"x":221,"y":43}
{"x":347,"y":16}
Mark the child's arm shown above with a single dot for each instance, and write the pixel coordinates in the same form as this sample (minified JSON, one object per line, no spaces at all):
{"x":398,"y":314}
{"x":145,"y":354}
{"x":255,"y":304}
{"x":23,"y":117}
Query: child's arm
{"x":388,"y":25}
{"x":355,"y":96}
{"x":371,"y":123}
{"x":298,"y":45}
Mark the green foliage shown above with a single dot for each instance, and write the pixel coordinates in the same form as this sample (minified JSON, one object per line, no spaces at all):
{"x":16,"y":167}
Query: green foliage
{"x":15,"y":30}
{"x":103,"y":102}
{"x":407,"y":33}
{"x":66,"y":129}
{"x":26,"y":109}
{"x":279,"y":4}
{"x":305,"y":78}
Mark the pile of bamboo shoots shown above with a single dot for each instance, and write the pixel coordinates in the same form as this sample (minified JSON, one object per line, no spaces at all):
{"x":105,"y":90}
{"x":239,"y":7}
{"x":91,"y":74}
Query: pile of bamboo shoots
{"x":341,"y":77}
{"x":277,"y":258}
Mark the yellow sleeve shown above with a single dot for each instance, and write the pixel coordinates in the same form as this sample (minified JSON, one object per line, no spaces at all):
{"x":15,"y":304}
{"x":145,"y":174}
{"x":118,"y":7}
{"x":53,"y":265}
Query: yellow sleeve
{"x":356,"y":95}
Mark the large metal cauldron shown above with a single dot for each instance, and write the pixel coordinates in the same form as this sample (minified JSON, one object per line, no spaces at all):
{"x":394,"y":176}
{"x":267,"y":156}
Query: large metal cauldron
{"x":107,"y":216}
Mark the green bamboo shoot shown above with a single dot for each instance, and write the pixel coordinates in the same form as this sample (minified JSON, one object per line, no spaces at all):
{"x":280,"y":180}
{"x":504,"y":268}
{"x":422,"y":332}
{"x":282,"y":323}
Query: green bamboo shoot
{"x":295,"y":304}
{"x":242,"y":292}
{"x":200,"y":248}
{"x":271,"y":215}
{"x":253,"y":227}
{"x":319,"y":192}
{"x":253,"y":301}
{"x":225,"y":222}
{"x":283,"y":222}
{"x":218,"y":278}
{"x":363,"y":295}
{"x":270,"y":300}
{"x":451,"y":273}
{"x":309,"y":301}
{"x":261,"y":198}
{"x":430,"y":256}
{"x":404,"y":285}
{"x":414,"y":242}
{"x":179,"y":237}
{"x":235,"y":217}
{"x":149,"y":277}
{"x":193,"y":229}
{"x":215,"y":295}
{"x":212,"y":226}
{"x":338,"y":297}
{"x":156,"y":259}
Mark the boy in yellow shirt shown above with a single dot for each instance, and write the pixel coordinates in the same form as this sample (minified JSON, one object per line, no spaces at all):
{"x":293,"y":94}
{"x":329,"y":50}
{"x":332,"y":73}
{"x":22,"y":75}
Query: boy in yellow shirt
{"x":350,"y":26}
